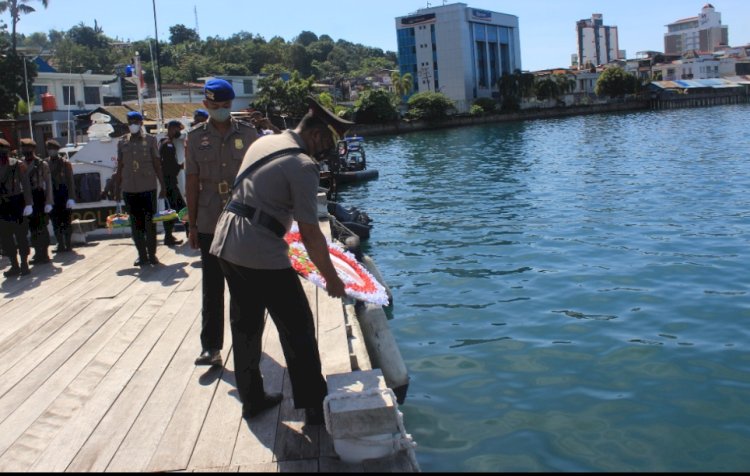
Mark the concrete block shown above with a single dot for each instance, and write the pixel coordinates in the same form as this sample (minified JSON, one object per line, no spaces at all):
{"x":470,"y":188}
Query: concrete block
{"x":355,"y":410}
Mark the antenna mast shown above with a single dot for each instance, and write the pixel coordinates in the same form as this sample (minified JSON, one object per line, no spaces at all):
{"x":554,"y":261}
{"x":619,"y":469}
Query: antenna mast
{"x":197,"y":29}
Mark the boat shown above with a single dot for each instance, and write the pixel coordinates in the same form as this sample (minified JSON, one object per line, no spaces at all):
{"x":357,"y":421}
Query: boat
{"x":352,"y":164}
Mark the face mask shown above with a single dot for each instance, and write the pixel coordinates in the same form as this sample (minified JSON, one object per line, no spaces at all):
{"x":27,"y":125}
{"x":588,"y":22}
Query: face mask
{"x":53,"y":154}
{"x":134,"y":128}
{"x":220,"y":115}
{"x":29,"y":154}
{"x":176,"y":135}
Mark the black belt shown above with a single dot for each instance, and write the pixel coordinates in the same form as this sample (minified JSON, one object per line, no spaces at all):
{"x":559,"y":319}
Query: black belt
{"x":264,"y":219}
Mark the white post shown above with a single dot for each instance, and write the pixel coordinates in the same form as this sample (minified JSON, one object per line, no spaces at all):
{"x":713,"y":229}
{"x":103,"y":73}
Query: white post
{"x":139,"y":83}
{"x":28,"y":97}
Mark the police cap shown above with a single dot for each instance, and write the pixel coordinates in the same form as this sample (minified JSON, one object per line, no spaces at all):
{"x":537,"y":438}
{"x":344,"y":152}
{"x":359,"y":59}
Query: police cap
{"x":332,"y":120}
{"x":218,"y":90}
{"x":200,"y":112}
{"x":4,"y":143}
{"x":52,"y":144}
{"x":28,"y":142}
{"x":177,"y":124}
{"x":135,"y":116}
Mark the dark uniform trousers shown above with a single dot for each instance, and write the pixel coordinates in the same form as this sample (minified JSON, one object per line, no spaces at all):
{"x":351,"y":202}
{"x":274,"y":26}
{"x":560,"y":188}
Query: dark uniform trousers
{"x":38,"y":223}
{"x":212,"y":332}
{"x":61,"y":217}
{"x":280,"y":291}
{"x":174,"y":198}
{"x":14,"y":228}
{"x":141,"y":207}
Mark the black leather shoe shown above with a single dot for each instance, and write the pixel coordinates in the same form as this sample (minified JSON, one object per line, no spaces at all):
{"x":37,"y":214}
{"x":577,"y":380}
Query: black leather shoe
{"x":314,"y":416}
{"x":172,"y":242}
{"x":40,"y":260}
{"x":252,"y":409}
{"x":13,"y":271}
{"x":154,"y":261}
{"x":141,"y":262}
{"x":209,"y":357}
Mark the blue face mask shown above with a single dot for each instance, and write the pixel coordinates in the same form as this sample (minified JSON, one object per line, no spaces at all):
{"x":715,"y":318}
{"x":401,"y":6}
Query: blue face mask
{"x":220,"y":115}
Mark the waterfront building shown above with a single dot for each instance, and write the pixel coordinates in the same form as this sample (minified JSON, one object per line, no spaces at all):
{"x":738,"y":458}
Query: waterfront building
{"x":703,"y":33}
{"x":459,"y":51}
{"x":597,"y":44}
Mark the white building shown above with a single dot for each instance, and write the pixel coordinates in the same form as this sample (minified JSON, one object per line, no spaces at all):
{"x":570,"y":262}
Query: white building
{"x":459,"y":51}
{"x":597,"y":44}
{"x":77,"y":92}
{"x":703,"y":33}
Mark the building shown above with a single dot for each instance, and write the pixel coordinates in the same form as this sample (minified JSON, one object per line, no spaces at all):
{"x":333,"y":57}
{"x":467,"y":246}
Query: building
{"x":703,"y":33}
{"x":597,"y":44}
{"x":459,"y":51}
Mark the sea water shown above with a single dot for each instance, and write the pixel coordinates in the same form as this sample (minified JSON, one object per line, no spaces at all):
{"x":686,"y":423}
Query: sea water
{"x":571,"y":294}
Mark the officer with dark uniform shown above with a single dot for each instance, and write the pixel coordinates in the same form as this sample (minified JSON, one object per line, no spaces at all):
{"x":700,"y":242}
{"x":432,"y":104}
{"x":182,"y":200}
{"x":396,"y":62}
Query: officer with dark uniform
{"x":214,"y":152}
{"x":63,"y":196}
{"x":278,"y":183}
{"x":171,"y":169}
{"x":41,"y":192}
{"x":199,"y":117}
{"x":138,"y":171}
{"x":16,"y":204}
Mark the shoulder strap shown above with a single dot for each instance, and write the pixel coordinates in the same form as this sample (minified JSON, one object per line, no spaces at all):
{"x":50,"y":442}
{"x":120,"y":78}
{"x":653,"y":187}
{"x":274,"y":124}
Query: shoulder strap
{"x":260,"y":163}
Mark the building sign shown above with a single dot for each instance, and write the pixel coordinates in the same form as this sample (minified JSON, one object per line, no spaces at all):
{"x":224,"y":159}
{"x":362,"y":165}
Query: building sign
{"x":481,"y":15}
{"x":418,"y":19}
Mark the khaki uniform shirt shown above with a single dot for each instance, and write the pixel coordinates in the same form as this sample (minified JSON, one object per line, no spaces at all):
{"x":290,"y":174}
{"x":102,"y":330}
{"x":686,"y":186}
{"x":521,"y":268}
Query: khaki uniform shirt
{"x":285,"y":188}
{"x":40,"y":177}
{"x":61,"y":171}
{"x":14,"y":179}
{"x":216,"y":159}
{"x":138,"y":155}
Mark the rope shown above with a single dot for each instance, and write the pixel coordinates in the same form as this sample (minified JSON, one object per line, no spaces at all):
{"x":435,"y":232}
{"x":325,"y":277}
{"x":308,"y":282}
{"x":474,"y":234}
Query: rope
{"x":404,"y":441}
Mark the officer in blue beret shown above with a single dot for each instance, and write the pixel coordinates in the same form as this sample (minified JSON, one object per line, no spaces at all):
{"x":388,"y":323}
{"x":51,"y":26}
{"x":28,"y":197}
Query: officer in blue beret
{"x":136,"y":179}
{"x":213,"y":155}
{"x":199,"y":116}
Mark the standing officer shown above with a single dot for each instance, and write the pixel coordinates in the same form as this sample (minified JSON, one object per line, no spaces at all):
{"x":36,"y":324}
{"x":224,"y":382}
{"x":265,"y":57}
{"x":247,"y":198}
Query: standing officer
{"x":214,"y":152}
{"x":63,"y":194}
{"x":41,"y":193}
{"x":15,"y":204}
{"x":138,"y":170}
{"x":278,"y":183}
{"x":171,"y":169}
{"x":199,"y":116}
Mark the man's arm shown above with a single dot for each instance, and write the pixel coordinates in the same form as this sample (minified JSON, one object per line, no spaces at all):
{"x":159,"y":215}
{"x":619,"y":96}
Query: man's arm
{"x":157,"y":168}
{"x":317,"y":249}
{"x":118,"y":175}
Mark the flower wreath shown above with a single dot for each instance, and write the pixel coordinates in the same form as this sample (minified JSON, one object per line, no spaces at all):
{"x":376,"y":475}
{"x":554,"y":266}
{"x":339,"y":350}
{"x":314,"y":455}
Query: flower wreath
{"x":360,"y":284}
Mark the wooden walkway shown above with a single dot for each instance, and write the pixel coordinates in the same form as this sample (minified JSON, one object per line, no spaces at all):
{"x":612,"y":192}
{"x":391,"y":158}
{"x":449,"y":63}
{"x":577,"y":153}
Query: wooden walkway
{"x":97,"y":374}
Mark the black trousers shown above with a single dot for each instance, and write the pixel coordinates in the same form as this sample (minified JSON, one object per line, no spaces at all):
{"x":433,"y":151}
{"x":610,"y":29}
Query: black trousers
{"x":212,"y":331}
{"x":174,"y":198}
{"x":61,"y":215}
{"x":14,"y":228}
{"x":141,"y":207}
{"x":280,"y":291}
{"x":38,"y":224}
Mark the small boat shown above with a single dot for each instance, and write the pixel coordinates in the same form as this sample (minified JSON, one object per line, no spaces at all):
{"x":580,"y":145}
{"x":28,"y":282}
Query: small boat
{"x":352,"y":165}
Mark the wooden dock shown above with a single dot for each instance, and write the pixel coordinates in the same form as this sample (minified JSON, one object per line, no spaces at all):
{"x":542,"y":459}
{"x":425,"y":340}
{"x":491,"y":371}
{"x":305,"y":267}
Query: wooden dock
{"x":97,"y":374}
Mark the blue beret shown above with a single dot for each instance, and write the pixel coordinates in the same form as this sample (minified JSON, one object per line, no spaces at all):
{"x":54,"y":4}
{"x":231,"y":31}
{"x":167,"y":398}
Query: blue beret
{"x":200,"y":112}
{"x":135,"y":116}
{"x":218,"y":90}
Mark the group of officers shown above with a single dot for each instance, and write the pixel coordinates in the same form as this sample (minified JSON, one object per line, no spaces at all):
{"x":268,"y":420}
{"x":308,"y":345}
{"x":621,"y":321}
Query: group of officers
{"x":33,"y":190}
{"x":245,"y":183}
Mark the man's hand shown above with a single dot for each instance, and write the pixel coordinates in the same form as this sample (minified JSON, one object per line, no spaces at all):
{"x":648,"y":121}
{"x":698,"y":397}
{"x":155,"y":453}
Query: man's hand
{"x":162,"y":193}
{"x":71,"y":203}
{"x":336,"y":288}
{"x":47,"y":209}
{"x":28,"y":210}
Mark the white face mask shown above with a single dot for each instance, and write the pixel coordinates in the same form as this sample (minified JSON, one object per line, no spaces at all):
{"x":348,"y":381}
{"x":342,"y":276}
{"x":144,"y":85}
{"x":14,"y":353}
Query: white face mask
{"x":134,"y":128}
{"x":220,"y":115}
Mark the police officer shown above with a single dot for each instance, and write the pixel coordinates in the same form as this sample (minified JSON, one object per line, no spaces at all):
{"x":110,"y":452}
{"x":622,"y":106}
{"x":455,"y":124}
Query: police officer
{"x":278,"y":183}
{"x":138,"y":170}
{"x":199,"y":116}
{"x":171,"y":169}
{"x":63,"y":196}
{"x":214,"y":152}
{"x":41,"y":192}
{"x":16,"y":203}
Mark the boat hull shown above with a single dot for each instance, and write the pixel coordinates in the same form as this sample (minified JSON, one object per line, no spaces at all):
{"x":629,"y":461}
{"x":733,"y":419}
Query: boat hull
{"x":357,"y":176}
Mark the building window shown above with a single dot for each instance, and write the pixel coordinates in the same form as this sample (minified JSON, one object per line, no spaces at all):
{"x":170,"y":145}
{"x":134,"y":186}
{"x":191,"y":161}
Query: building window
{"x":91,"y":95}
{"x":482,"y":63}
{"x":38,"y":91}
{"x":248,"y":85}
{"x":69,"y":95}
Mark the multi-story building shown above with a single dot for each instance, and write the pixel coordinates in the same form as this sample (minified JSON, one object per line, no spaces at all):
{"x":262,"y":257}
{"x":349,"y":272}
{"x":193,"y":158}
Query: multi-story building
{"x":597,"y":44}
{"x":703,"y":33}
{"x":459,"y":51}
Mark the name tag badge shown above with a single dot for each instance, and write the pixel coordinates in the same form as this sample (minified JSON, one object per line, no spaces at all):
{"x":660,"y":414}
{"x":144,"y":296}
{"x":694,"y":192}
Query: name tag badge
{"x":238,"y":144}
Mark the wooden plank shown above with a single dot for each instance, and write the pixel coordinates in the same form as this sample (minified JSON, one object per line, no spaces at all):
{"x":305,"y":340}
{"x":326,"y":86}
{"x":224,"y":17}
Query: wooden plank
{"x":398,"y":463}
{"x":332,"y":337}
{"x":100,"y":447}
{"x":139,"y":445}
{"x":260,"y":468}
{"x":299,"y":466}
{"x":294,"y":439}
{"x":86,"y":366}
{"x":69,"y":441}
{"x":256,"y":438}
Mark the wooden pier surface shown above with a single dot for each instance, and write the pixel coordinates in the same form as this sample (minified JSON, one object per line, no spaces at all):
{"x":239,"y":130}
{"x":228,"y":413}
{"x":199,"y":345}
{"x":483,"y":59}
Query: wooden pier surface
{"x":97,"y":374}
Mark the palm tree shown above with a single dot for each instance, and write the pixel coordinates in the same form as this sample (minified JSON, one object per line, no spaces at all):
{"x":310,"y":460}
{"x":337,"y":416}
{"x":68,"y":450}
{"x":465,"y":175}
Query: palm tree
{"x":16,"y":9}
{"x":402,"y":85}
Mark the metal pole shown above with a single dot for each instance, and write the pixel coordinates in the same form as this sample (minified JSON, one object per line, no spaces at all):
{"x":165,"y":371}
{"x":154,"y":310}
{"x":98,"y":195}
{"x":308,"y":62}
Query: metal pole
{"x":28,"y":97}
{"x":158,"y":68}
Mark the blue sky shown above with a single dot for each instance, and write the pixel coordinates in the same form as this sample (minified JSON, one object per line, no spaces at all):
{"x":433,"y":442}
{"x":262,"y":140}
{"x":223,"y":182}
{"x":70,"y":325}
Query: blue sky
{"x":547,"y":27}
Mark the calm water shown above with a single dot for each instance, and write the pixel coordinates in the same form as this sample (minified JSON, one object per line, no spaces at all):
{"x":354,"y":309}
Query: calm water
{"x":571,"y":295}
